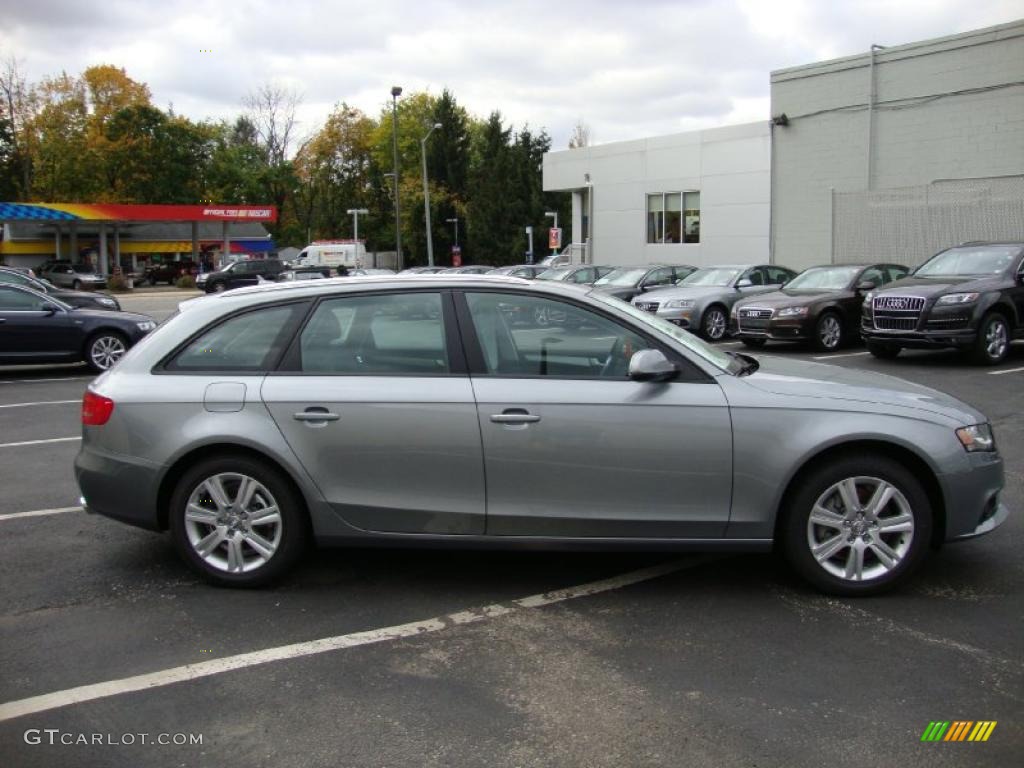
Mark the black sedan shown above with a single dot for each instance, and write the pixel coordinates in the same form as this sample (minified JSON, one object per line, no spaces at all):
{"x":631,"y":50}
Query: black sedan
{"x":80,"y":299}
{"x":626,"y":282}
{"x":820,"y":305}
{"x":35,"y":328}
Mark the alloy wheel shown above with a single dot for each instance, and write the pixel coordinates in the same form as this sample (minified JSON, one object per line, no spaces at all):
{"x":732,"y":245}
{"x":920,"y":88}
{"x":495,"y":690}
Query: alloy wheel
{"x":233,"y":523}
{"x":830,"y":332}
{"x":860,"y":528}
{"x":714,"y":324}
{"x":105,"y":351}
{"x":996,"y":339}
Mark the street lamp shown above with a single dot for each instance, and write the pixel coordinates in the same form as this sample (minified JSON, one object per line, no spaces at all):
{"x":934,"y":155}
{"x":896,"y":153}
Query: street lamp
{"x":396,"y":91}
{"x":355,"y":213}
{"x":455,"y":221}
{"x":426,"y":193}
{"x":552,"y":215}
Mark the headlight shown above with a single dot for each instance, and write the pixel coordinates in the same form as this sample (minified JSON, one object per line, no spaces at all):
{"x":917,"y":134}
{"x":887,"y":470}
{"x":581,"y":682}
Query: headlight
{"x":958,"y":298}
{"x":679,"y":304}
{"x":977,"y":438}
{"x":868,"y":297}
{"x":146,"y":325}
{"x":107,"y":302}
{"x":792,"y":312}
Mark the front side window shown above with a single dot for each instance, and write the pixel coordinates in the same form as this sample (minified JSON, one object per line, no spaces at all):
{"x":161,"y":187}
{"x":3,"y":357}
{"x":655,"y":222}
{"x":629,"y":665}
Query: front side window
{"x":718,"y":276}
{"x":21,"y":301}
{"x":535,"y":336}
{"x":14,"y":278}
{"x":249,"y":342}
{"x":823,"y":279}
{"x":896,"y":272}
{"x":660,"y":277}
{"x":777,"y":275}
{"x":387,"y":334}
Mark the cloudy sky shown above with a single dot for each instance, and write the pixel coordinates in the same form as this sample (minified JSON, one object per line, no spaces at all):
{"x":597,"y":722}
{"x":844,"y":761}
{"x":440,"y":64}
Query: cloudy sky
{"x":626,"y":68}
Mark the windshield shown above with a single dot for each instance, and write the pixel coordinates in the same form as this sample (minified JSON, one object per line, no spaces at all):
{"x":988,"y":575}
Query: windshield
{"x":823,"y":279}
{"x":969,"y":261}
{"x":711,"y":276}
{"x":623,"y":276}
{"x":559,"y":273}
{"x":713,"y":355}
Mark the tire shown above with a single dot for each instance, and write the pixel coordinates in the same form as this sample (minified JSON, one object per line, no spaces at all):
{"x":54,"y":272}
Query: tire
{"x":993,"y":342}
{"x":753,"y":342}
{"x":104,"y":349}
{"x":715,"y":323}
{"x":152,"y":281}
{"x":219,"y":287}
{"x":882,"y":350}
{"x":244,"y":554}
{"x":76,"y":285}
{"x":891,"y":541}
{"x":828,"y":332}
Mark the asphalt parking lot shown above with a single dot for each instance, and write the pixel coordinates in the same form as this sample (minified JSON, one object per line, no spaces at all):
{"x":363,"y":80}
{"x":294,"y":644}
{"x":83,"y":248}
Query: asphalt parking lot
{"x":434,"y":657}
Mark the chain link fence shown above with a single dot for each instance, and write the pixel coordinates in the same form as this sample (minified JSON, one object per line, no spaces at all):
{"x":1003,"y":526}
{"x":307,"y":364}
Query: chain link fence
{"x":907,"y":225}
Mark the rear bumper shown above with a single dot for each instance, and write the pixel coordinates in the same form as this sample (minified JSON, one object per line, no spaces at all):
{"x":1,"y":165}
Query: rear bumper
{"x":118,"y":487}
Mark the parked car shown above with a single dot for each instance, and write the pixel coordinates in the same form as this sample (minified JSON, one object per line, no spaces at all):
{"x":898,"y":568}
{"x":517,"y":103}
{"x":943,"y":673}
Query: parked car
{"x":525,"y":271}
{"x":36,"y":328}
{"x":576,"y":274}
{"x":81,"y":299}
{"x":659,"y":439}
{"x":239,"y":273}
{"x":626,"y":282}
{"x":421,"y":270}
{"x":820,"y":305}
{"x":368,"y":271}
{"x":301,"y":273}
{"x":701,"y":301}
{"x":64,"y":274}
{"x":27,"y":271}
{"x":169,"y":271}
{"x":970,"y":297}
{"x":469,"y":269}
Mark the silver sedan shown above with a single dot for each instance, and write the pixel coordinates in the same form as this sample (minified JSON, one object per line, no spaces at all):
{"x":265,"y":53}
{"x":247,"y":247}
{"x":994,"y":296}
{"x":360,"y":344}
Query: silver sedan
{"x":408,"y":410}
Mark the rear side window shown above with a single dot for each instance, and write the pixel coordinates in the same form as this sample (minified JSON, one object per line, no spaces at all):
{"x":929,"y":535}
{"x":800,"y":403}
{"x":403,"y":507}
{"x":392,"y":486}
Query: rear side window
{"x":249,"y":342}
{"x":389,"y":334}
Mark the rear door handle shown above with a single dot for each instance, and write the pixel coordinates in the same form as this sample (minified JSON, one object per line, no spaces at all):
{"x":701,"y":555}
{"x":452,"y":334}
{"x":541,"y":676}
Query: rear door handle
{"x":514,"y":416}
{"x":315,"y":415}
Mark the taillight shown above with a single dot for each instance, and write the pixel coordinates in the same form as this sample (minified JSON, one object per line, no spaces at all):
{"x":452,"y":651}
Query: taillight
{"x":96,"y":409}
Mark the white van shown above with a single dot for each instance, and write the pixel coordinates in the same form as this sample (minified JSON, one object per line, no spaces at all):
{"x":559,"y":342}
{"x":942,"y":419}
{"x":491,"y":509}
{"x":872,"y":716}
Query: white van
{"x":332,"y":253}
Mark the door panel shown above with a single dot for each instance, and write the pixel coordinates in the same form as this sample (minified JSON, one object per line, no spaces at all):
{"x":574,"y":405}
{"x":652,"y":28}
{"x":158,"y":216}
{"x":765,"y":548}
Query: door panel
{"x":403,"y":454}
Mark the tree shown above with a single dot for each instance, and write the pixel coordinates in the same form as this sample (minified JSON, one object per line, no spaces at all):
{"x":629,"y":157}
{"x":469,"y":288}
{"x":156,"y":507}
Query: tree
{"x":580,"y":136}
{"x":271,"y":111}
{"x":490,"y":226}
{"x":16,"y":110}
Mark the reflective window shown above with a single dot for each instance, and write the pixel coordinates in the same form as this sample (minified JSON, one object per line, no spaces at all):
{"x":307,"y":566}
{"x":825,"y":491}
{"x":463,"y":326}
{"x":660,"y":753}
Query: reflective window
{"x":400,"y":333}
{"x":21,"y":301}
{"x":535,"y":336}
{"x":249,"y":342}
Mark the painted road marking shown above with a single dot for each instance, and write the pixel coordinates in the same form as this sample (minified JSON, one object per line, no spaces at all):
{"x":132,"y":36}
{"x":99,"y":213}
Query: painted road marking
{"x":36,"y":381}
{"x":83,"y":693}
{"x":38,"y":513}
{"x":848,"y":354}
{"x":39,"y":442}
{"x":1008,"y":370}
{"x":42,"y":402}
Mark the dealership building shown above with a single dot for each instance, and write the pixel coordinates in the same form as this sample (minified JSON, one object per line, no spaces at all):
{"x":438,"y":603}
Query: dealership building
{"x":889,"y":155}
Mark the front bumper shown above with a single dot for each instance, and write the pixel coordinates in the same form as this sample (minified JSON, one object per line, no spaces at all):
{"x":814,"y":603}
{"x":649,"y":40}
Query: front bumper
{"x":776,"y":329}
{"x":684,"y":318}
{"x":118,"y":487}
{"x":935,"y":327}
{"x":972,"y":497}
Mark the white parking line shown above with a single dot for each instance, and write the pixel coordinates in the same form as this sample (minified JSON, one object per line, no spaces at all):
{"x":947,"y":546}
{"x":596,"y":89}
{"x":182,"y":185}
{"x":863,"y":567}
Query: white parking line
{"x":36,"y":381}
{"x":848,"y":354}
{"x":39,"y":442}
{"x":41,"y":402}
{"x":38,"y":513}
{"x":48,"y":701}
{"x":1007,"y":370}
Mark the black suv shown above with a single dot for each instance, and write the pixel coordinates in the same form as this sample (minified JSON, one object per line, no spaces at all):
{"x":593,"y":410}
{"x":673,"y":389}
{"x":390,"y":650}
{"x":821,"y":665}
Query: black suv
{"x":240,"y":273}
{"x":970,"y":297}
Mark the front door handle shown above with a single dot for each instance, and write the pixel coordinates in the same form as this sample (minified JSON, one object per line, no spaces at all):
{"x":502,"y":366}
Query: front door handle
{"x":315,"y":415}
{"x":514,"y":416}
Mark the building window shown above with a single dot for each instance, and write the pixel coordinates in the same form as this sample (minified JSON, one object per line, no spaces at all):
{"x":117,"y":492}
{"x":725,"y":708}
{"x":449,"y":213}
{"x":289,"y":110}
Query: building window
{"x":673,"y":217}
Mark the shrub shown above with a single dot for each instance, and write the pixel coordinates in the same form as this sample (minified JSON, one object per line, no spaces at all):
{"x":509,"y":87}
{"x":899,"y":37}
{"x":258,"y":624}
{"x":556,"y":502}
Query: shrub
{"x":185,"y":281}
{"x":118,"y":284}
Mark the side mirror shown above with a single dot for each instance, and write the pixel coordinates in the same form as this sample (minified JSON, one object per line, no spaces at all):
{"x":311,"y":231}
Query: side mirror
{"x":866,"y":285}
{"x":746,"y":282}
{"x":49,"y":310}
{"x":651,"y":365}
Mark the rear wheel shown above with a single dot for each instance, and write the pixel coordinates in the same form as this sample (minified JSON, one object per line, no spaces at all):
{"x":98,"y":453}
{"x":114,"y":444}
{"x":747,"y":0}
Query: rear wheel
{"x":76,"y":284}
{"x":993,"y":342}
{"x":882,"y":350}
{"x":828,"y":333}
{"x":753,"y":342}
{"x":104,"y":350}
{"x":714,"y":323}
{"x":857,"y":526}
{"x":237,"y":521}
{"x":219,"y":287}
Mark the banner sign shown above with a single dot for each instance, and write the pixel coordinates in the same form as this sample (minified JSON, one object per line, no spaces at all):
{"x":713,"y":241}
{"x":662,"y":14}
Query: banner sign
{"x":555,"y":238}
{"x":119,"y":212}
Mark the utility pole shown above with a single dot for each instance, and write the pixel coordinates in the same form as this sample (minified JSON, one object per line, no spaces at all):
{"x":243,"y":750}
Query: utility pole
{"x":426,"y":194}
{"x":396,"y":91}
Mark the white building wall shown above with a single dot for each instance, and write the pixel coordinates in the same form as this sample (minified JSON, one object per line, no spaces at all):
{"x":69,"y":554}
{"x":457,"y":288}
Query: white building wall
{"x":730,"y":167}
{"x":972,"y":126}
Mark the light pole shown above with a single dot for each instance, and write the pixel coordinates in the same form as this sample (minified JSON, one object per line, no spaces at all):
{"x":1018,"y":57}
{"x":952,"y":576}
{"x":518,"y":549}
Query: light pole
{"x":426,"y":193}
{"x":355,"y":213}
{"x":552,"y":215}
{"x":396,"y":91}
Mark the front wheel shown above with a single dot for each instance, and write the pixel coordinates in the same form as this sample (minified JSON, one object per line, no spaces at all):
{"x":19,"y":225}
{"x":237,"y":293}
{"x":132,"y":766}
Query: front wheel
{"x":857,"y":526}
{"x":715,"y":323}
{"x":882,"y":351}
{"x":104,"y":350}
{"x":237,"y":521}
{"x":828,"y":333}
{"x":993,"y":342}
{"x":219,"y":287}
